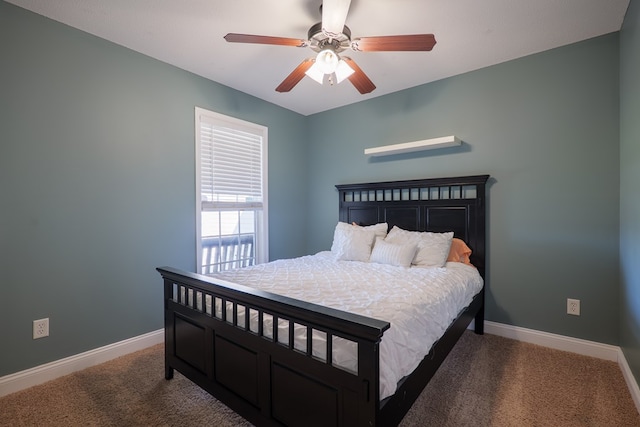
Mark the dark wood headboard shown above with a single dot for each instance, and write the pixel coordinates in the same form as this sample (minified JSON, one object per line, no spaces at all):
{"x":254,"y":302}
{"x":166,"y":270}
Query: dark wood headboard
{"x":455,"y":204}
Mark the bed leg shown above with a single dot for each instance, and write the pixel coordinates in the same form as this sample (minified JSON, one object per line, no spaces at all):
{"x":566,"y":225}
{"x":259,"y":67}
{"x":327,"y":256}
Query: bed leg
{"x":479,"y":322}
{"x":168,"y":372}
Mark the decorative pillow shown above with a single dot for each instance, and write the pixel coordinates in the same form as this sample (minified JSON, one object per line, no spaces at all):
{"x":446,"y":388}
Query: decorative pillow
{"x":433,"y":248}
{"x":393,"y":254}
{"x":352,"y":243}
{"x":459,"y":252}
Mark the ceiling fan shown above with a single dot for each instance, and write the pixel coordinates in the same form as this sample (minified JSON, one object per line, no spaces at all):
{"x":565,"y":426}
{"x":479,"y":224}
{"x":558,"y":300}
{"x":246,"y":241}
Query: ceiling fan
{"x":331,"y":37}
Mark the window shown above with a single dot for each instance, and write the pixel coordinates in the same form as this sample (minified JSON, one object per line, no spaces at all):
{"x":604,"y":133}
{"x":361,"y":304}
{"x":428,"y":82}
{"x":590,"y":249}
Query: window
{"x":231,"y":192}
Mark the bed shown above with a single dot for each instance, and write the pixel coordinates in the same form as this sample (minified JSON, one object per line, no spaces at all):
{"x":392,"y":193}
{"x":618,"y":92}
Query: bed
{"x":259,"y":353}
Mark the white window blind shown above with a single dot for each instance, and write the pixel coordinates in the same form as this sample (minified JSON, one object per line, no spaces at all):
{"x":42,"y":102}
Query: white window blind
{"x":231,"y":192}
{"x":231,"y":165}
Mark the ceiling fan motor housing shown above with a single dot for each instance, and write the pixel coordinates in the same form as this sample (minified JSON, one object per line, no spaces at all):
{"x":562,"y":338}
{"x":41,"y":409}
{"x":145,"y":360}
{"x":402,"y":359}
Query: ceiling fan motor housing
{"x":319,"y":40}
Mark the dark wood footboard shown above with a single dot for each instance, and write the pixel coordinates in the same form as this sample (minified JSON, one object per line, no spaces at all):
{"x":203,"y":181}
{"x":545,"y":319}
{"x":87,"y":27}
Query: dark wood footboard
{"x":265,"y":377}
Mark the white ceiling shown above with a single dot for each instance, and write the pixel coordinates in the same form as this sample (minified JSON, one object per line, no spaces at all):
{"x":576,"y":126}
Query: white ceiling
{"x":470,"y":34}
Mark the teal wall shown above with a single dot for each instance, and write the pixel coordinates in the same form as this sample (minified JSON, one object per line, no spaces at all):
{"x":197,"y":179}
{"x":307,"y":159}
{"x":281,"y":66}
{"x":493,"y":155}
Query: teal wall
{"x":546,"y":127}
{"x":630,"y":187}
{"x":97,"y":185}
{"x":97,"y":176}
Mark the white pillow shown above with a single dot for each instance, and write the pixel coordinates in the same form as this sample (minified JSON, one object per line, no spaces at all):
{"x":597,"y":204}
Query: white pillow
{"x":380,"y":229}
{"x":339,"y":235}
{"x":352,"y":243}
{"x":393,"y":254}
{"x":433,"y":248}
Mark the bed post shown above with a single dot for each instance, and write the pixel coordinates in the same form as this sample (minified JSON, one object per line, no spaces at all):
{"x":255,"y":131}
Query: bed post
{"x":481,"y":221}
{"x":479,"y":318}
{"x":168,"y":329}
{"x":369,"y":373}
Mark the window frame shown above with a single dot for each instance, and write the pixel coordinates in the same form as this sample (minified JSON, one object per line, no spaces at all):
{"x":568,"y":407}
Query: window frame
{"x":261,"y":243}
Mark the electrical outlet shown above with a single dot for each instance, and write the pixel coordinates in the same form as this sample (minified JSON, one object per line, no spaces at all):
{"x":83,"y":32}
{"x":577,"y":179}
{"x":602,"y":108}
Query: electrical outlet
{"x":40,"y":328}
{"x":573,"y":306}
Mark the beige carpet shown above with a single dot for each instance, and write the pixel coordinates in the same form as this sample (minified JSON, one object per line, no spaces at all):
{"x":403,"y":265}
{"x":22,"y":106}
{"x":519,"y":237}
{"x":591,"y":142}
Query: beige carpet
{"x":486,"y":381}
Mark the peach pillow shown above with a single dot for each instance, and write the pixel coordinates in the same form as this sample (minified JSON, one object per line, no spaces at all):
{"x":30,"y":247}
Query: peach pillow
{"x":459,"y":252}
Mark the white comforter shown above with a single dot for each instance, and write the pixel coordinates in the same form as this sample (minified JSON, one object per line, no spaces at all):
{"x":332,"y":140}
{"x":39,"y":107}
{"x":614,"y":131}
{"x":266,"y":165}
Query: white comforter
{"x":419,"y":303}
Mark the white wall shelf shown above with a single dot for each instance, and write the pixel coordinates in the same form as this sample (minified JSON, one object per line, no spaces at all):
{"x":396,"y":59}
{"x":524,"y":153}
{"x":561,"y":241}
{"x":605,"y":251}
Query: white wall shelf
{"x":408,"y":147}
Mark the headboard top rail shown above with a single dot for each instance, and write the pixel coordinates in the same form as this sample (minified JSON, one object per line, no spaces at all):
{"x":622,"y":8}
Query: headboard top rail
{"x":416,"y":183}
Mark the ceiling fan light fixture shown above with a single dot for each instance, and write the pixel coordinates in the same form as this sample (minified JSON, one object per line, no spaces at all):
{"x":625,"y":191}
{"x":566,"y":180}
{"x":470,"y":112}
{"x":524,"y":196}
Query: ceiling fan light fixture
{"x":327,"y":61}
{"x":315,"y":73}
{"x":343,"y":70}
{"x":332,"y":66}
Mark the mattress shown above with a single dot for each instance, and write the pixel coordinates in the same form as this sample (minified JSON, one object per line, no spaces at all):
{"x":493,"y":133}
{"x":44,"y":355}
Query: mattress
{"x":419,"y":303}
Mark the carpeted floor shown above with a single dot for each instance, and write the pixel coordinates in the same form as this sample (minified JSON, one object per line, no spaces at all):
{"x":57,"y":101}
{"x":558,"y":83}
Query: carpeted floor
{"x":485,"y":381}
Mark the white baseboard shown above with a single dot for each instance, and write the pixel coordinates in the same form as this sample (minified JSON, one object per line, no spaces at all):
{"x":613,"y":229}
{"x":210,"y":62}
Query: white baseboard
{"x":630,"y":379}
{"x":573,"y":345}
{"x":40,"y":374}
{"x":43,"y":373}
{"x":558,"y":342}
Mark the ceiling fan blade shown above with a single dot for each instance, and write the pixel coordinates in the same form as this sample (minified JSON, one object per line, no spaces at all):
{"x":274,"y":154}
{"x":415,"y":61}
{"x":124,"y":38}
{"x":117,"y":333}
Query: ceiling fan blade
{"x":415,"y":42}
{"x":250,"y":38}
{"x":334,"y":15}
{"x":359,"y":79}
{"x":295,"y":76}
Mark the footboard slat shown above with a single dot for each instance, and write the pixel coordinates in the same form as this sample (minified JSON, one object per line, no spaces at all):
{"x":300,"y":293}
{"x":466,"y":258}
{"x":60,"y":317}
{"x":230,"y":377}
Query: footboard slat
{"x":291,"y":342}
